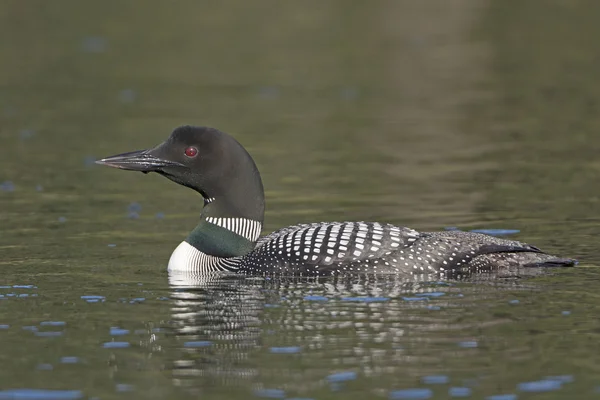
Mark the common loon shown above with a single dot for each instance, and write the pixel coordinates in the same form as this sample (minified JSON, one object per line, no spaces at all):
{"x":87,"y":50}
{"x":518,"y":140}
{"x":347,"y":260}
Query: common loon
{"x":227,"y":238}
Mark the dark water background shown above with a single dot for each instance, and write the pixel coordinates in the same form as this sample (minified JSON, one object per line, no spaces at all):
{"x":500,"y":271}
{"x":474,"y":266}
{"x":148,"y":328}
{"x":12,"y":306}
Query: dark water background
{"x":426,"y":114}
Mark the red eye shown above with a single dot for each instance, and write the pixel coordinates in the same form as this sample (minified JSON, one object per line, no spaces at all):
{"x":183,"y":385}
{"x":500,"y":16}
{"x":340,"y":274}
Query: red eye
{"x":191,"y":151}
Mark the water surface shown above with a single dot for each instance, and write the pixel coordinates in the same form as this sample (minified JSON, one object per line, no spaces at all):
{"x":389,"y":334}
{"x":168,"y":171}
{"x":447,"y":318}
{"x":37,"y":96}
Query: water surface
{"x":476,"y":115}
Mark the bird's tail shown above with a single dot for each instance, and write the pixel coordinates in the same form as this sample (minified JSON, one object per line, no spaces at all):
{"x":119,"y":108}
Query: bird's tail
{"x":552,"y":262}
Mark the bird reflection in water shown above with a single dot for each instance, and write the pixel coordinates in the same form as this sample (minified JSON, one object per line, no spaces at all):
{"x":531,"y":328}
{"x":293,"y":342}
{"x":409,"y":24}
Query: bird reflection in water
{"x":240,"y":333}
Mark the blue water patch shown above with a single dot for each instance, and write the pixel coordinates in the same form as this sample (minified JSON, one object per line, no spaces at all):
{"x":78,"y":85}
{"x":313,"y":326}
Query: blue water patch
{"x":4,"y":326}
{"x":411,"y":394}
{"x":116,"y":345}
{"x":271,"y":305}
{"x":30,"y":328}
{"x":270,"y":393}
{"x":200,"y":343}
{"x":124,"y":387}
{"x":94,"y":44}
{"x":315,"y":298}
{"x":430,"y":294}
{"x":134,"y":207}
{"x":127,"y":96}
{"x":25,"y":134}
{"x":502,"y":397}
{"x":114,"y":331}
{"x":62,"y":220}
{"x":459,"y":392}
{"x":451,"y":228}
{"x":112,"y":245}
{"x":434,"y":308}
{"x":44,"y":367}
{"x":49,"y":334}
{"x":342,"y":376}
{"x":561,"y":378}
{"x":53,"y":323}
{"x":415,"y":299}
{"x":40,"y":394}
{"x":285,"y":350}
{"x":7,"y":186}
{"x":93,"y":298}
{"x":566,"y":313}
{"x":39,"y":188}
{"x":469,"y":344}
{"x":133,"y":215}
{"x":496,"y":232}
{"x":365,"y":299}
{"x":24,"y":286}
{"x":514,"y":301}
{"x":435,"y":379}
{"x":137,"y":300}
{"x":545,"y":385}
{"x":160,"y":215}
{"x":70,"y":360}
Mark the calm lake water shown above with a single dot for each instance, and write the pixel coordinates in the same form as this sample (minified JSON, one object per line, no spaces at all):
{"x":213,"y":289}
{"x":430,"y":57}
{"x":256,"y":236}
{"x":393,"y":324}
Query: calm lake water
{"x":469,"y":113}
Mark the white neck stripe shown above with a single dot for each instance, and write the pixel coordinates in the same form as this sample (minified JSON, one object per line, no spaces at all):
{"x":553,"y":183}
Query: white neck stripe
{"x":247,"y":228}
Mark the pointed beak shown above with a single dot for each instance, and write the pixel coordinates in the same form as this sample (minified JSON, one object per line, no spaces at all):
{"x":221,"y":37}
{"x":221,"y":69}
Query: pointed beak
{"x":141,"y":160}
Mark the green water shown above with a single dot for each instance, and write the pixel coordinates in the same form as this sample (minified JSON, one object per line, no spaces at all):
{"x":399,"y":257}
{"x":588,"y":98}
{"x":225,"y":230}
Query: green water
{"x":424,"y":114}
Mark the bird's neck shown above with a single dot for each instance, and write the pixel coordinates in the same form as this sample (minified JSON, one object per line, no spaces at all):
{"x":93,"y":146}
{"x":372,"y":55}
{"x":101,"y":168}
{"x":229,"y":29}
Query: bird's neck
{"x":234,"y":207}
{"x":227,"y":229}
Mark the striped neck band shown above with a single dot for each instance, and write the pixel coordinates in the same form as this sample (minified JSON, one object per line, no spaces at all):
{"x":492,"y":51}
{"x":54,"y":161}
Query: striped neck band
{"x":244,"y":227}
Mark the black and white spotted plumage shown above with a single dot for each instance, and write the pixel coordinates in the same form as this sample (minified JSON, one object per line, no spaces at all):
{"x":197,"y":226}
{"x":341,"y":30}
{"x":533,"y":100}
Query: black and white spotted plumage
{"x":338,"y":247}
{"x":328,"y":247}
{"x":370,"y":247}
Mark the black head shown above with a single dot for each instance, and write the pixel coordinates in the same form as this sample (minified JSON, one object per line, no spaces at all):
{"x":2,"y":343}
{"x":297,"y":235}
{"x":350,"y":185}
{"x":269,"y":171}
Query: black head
{"x":206,"y":160}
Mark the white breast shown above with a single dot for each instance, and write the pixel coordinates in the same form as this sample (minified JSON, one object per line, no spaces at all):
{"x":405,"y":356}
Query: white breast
{"x":187,"y":258}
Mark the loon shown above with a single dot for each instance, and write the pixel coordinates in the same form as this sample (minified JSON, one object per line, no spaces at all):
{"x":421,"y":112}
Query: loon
{"x":227,"y":238}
